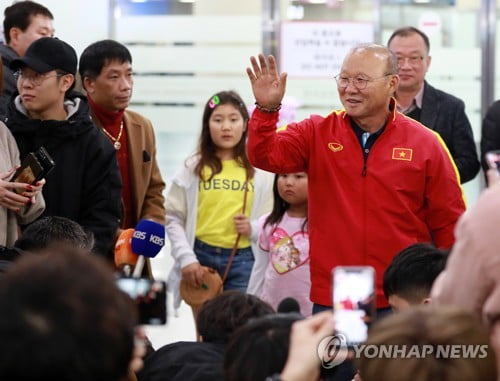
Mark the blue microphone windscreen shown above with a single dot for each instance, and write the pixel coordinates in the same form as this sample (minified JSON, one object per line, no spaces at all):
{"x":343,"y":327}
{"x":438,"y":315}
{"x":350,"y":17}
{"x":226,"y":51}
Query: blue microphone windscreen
{"x":148,"y":238}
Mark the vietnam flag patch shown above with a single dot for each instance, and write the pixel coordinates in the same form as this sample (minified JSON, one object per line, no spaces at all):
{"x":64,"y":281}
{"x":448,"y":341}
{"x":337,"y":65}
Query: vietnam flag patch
{"x":402,"y":154}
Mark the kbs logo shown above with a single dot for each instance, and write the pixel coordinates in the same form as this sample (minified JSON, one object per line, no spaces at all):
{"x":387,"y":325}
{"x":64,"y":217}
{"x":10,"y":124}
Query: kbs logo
{"x":156,"y":240}
{"x":139,"y":235}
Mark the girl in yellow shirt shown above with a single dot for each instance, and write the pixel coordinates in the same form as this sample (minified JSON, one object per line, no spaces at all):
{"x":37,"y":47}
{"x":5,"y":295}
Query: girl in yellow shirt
{"x":216,"y":197}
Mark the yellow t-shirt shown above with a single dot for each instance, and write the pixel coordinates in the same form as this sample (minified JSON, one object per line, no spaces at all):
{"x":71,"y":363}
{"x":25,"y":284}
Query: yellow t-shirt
{"x":219,"y":200}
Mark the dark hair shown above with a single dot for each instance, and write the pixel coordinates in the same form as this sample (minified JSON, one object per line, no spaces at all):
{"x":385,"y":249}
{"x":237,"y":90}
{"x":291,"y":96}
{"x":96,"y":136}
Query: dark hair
{"x":63,"y":318}
{"x":19,"y":15}
{"x":280,"y":206}
{"x":219,"y":317}
{"x":413,"y":271}
{"x":48,"y":231}
{"x":408,"y":31}
{"x":206,"y":147}
{"x":433,"y":327}
{"x":259,"y":349}
{"x":99,"y":54}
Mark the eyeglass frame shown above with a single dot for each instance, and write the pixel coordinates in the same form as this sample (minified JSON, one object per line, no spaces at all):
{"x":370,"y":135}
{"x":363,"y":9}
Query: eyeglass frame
{"x":40,"y":77}
{"x":416,"y":60}
{"x":353,"y":79}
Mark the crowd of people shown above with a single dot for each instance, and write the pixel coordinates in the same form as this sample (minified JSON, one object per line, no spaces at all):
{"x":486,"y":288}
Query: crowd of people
{"x":269,"y":209}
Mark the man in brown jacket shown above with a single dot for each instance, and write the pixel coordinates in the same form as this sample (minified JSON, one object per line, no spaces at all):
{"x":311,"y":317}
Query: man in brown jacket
{"x":106,"y":72}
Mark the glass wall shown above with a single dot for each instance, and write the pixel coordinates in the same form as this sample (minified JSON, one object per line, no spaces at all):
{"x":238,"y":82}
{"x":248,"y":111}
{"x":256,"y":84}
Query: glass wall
{"x":181,"y":60}
{"x":453,"y":28}
{"x":454,"y":32}
{"x":186,"y":50}
{"x":311,"y":91}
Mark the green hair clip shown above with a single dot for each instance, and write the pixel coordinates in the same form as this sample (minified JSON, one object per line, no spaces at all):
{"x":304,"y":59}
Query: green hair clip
{"x":214,"y":101}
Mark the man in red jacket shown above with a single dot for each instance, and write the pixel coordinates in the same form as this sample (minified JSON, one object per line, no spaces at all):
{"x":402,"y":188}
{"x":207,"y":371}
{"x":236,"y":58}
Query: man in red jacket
{"x":378,"y":181}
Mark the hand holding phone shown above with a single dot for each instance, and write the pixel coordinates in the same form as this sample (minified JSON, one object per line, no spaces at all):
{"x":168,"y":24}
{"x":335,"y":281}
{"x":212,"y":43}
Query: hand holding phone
{"x":35,"y":166}
{"x":13,"y":196}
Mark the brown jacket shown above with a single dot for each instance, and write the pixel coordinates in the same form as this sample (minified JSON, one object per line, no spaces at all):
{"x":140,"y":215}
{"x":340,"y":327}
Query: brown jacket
{"x":146,"y":182}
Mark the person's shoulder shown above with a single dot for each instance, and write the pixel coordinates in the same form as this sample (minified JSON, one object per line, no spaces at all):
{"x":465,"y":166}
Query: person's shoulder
{"x":332,"y":114}
{"x":184,"y":176}
{"x":187,"y":348}
{"x":494,"y":110}
{"x":442,"y":96}
{"x":326,"y":120}
{"x":8,"y":54}
{"x":264,"y":175}
{"x":417,"y":128}
{"x":136,"y":118}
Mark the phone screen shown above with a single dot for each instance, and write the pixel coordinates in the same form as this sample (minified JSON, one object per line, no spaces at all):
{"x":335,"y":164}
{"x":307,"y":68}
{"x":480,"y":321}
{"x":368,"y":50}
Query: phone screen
{"x":353,"y":301}
{"x":149,"y":296}
{"x":30,"y":170}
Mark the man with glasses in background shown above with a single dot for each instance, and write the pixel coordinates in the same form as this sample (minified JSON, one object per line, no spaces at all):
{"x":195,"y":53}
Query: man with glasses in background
{"x":24,"y":22}
{"x":378,"y":181}
{"x":84,"y":185}
{"x":440,"y":111}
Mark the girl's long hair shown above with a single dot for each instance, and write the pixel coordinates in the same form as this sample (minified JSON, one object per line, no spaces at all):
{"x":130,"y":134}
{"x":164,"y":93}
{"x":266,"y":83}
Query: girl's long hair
{"x":207,"y":150}
{"x":280,"y":206}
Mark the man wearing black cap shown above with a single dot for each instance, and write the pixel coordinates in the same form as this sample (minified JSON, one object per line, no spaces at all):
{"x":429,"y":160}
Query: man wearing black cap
{"x":85,"y":184}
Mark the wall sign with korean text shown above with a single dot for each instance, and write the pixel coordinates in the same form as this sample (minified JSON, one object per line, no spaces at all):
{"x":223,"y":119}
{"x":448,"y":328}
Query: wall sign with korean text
{"x":317,"y":49}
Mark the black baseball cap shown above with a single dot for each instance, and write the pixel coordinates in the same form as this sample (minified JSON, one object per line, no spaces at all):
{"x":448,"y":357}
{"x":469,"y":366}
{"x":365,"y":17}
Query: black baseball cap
{"x":47,"y":54}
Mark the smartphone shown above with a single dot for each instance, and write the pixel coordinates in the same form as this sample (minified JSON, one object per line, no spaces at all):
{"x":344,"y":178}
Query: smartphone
{"x":35,"y":166}
{"x":150,"y":296}
{"x":353,"y":302}
{"x":493,"y":159}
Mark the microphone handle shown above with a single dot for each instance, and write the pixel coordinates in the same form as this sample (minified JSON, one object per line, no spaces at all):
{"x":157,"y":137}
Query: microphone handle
{"x":139,"y":266}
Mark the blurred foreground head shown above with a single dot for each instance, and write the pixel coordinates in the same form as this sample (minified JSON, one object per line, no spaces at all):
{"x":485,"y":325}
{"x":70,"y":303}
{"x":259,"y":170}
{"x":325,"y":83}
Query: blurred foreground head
{"x":63,"y":318}
{"x":55,"y":234}
{"x":448,"y":344}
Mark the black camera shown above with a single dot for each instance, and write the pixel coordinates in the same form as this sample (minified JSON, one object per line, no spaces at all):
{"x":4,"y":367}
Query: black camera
{"x":149,"y":295}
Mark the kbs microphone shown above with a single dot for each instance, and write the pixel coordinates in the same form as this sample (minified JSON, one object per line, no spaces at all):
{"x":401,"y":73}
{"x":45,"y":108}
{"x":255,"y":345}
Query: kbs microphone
{"x":288,"y":305}
{"x":125,"y":259}
{"x":147,"y":241}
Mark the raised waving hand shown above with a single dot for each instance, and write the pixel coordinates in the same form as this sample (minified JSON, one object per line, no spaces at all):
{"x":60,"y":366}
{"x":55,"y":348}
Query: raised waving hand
{"x":268,"y":85}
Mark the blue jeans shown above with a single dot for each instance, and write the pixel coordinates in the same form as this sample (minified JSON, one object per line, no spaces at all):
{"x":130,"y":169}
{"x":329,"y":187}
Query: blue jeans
{"x":217,"y":258}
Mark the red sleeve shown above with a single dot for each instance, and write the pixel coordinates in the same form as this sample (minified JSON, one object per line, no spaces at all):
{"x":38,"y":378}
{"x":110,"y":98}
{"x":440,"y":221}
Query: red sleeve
{"x":444,"y":198}
{"x":282,"y":150}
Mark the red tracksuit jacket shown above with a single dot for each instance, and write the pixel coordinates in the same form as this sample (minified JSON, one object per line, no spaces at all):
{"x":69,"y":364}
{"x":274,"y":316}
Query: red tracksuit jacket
{"x":363,"y":212}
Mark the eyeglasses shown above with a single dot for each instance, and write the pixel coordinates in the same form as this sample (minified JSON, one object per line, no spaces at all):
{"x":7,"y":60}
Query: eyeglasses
{"x":358,"y":83}
{"x":413,"y":60}
{"x":35,"y":78}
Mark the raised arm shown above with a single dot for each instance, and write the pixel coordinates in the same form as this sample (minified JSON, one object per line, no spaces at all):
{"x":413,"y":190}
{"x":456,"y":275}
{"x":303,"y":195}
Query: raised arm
{"x":268,"y":85}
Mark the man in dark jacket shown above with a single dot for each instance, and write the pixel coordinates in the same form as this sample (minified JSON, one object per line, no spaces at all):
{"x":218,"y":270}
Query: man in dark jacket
{"x":85,"y":184}
{"x":24,"y":22}
{"x":435,"y":109}
{"x":490,"y":136}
